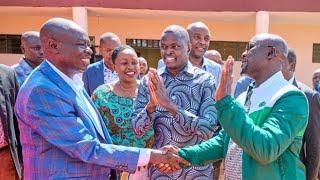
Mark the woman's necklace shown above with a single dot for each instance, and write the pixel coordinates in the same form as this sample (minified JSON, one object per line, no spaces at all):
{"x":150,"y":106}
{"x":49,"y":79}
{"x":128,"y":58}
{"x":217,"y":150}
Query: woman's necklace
{"x":128,"y":92}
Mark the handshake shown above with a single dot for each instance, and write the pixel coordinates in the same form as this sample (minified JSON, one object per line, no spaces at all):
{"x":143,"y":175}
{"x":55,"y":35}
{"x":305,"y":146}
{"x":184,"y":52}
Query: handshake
{"x":166,"y":160}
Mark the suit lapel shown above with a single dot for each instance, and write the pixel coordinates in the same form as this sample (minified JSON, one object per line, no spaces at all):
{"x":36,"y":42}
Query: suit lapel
{"x":104,"y":131}
{"x":101,"y":73}
{"x":295,"y":83}
{"x":57,"y":79}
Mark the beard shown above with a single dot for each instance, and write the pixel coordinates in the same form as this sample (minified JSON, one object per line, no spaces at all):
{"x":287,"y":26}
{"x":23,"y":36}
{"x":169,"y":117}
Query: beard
{"x":244,"y":67}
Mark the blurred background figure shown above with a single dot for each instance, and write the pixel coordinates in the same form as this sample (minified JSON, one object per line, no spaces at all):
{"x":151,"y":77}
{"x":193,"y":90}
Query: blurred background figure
{"x":102,"y":72}
{"x":200,"y":36}
{"x":32,"y":55}
{"x":115,"y":103}
{"x":144,"y":68}
{"x":316,"y":80}
{"x":10,"y":147}
{"x":310,"y":151}
{"x":214,"y":55}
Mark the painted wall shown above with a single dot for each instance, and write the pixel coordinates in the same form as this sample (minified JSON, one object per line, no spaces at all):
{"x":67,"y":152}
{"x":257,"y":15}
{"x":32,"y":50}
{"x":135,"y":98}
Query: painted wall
{"x":299,"y":37}
{"x":18,"y":25}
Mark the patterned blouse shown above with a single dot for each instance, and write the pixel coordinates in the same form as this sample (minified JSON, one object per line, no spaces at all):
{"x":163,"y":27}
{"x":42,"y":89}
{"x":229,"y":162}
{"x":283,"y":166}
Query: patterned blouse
{"x":116,"y":112}
{"x":196,"y":120}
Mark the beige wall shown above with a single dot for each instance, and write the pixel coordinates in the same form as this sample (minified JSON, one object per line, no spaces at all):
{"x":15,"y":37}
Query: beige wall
{"x":299,"y":37}
{"x":18,"y":25}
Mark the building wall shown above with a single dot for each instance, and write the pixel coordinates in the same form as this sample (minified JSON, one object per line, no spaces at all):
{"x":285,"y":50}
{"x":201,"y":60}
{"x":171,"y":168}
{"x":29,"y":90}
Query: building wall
{"x":18,"y":25}
{"x":299,"y":37}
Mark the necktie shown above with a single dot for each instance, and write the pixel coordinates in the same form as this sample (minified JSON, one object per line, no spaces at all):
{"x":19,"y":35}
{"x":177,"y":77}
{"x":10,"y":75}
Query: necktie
{"x":247,"y":103}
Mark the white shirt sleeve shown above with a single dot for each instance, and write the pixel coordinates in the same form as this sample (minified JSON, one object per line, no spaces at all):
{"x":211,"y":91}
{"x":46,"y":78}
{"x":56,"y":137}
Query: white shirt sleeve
{"x":144,"y":157}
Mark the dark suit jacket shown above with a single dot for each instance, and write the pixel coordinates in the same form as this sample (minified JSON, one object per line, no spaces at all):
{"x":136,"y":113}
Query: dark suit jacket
{"x":93,"y":76}
{"x":8,"y":92}
{"x":310,"y":152}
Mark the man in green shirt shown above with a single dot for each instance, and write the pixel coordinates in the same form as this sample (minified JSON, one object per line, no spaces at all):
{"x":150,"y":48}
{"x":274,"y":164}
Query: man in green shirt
{"x":263,"y":129}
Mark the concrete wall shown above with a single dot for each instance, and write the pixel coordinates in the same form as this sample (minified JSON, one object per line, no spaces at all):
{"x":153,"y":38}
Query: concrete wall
{"x":299,"y":37}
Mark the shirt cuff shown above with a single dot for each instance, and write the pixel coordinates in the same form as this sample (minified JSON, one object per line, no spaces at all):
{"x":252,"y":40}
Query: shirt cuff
{"x":144,"y":157}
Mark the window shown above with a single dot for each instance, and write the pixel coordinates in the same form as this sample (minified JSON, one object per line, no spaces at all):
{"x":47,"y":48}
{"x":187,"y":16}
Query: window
{"x":316,"y":53}
{"x":10,"y":44}
{"x":226,"y":48}
{"x":143,"y":43}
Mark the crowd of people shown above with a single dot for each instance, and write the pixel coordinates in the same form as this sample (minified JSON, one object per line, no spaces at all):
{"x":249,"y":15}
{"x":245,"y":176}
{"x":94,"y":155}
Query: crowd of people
{"x":62,"y":118}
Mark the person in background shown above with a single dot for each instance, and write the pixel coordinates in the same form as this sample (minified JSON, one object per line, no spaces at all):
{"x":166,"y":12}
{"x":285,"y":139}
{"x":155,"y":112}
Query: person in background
{"x":144,"y":68}
{"x":115,"y":101}
{"x":32,"y":55}
{"x":102,"y":72}
{"x":214,"y":55}
{"x":200,"y":36}
{"x":316,"y":80}
{"x":310,"y":151}
{"x":10,"y":147}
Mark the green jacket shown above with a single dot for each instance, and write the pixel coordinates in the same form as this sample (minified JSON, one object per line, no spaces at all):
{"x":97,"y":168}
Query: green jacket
{"x":271,"y":136}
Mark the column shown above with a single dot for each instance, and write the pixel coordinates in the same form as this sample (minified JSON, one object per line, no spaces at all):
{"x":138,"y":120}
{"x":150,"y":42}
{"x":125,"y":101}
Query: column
{"x":80,"y":16}
{"x":262,"y":22}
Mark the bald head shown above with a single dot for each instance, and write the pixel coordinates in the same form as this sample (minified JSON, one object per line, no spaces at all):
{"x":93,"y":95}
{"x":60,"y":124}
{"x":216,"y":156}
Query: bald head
{"x":264,"y":56}
{"x":178,"y":31}
{"x":214,"y":55}
{"x":200,"y":40}
{"x":66,"y":45}
{"x":55,"y":27}
{"x":271,"y":40}
{"x":109,"y":36}
{"x":197,"y":25}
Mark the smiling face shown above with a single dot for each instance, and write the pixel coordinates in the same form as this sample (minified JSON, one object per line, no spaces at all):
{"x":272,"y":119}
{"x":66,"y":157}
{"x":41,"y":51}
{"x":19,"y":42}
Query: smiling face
{"x":200,"y":40}
{"x":174,"y":51}
{"x":74,"y":52}
{"x":127,"y":65}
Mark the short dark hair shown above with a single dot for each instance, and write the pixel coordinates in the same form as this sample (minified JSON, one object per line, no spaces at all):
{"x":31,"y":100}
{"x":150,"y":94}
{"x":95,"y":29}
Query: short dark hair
{"x":292,"y":58}
{"x":118,"y":50}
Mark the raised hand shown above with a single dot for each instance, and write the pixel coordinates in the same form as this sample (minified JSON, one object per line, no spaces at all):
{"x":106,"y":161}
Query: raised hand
{"x":224,"y":87}
{"x":160,"y":92}
{"x":169,"y":162}
{"x":153,"y":98}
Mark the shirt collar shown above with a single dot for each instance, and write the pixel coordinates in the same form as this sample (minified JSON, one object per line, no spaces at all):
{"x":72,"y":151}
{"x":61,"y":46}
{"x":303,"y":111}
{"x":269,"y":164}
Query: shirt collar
{"x":270,"y":81}
{"x":291,"y":80}
{"x":205,"y":63}
{"x":187,"y":69}
{"x":75,"y":82}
